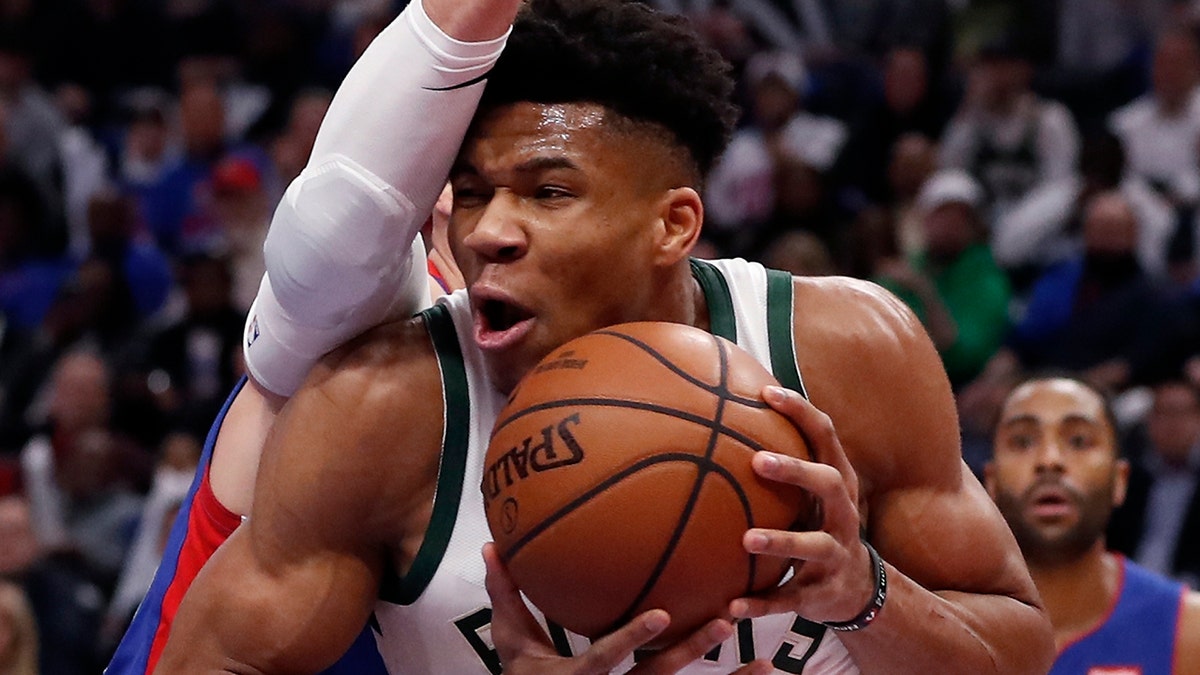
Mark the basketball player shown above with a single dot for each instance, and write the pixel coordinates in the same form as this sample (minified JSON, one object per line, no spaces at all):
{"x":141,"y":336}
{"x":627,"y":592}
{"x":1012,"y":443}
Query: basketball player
{"x":575,"y":208}
{"x":1056,"y":474}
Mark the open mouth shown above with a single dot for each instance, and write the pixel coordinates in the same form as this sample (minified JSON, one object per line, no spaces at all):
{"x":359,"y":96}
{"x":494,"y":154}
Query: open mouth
{"x":499,"y":316}
{"x":499,"y":323}
{"x":1052,"y":503}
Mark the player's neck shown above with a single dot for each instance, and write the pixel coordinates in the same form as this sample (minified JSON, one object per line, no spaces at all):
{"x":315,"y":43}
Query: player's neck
{"x":699,"y":305}
{"x":1079,"y":594}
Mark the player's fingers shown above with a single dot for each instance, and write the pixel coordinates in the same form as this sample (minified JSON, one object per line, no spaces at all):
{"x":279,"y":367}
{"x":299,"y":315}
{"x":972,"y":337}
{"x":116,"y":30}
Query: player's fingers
{"x":818,"y":547}
{"x":817,"y":429}
{"x":608,"y":652}
{"x":840,"y":512}
{"x":514,"y":628}
{"x":695,"y":646}
{"x":757,"y":606}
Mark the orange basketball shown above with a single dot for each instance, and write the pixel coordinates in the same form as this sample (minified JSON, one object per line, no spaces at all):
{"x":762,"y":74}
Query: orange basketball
{"x":618,"y":479}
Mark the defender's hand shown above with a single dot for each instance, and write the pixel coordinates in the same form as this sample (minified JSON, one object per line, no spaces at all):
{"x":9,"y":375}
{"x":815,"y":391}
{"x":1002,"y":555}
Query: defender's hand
{"x":525,"y":648}
{"x":832,"y":578}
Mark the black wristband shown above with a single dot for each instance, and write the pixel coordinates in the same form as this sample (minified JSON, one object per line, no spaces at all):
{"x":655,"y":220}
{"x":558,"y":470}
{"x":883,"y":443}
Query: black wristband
{"x":871,"y":611}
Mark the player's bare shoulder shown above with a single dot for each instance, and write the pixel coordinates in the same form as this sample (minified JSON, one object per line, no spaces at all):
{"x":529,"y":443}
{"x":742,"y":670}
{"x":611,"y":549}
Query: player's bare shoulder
{"x":857,"y":314}
{"x":869,"y":364}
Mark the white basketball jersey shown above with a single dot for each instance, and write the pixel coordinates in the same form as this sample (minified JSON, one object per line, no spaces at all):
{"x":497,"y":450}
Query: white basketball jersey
{"x":436,"y":620}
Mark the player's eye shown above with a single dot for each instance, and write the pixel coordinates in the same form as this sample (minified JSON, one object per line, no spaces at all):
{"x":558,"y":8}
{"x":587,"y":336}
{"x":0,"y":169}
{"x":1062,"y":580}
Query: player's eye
{"x":1079,"y":441}
{"x":552,"y":192}
{"x":1020,"y":441}
{"x":469,"y":196}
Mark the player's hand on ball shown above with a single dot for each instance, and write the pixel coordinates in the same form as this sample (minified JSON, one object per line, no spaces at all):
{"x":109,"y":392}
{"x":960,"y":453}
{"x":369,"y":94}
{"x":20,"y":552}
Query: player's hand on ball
{"x":525,"y":648}
{"x":832,"y":578}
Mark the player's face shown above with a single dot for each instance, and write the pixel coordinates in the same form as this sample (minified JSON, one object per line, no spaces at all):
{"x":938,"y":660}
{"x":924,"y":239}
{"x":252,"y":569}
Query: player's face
{"x":1055,"y":473}
{"x":552,"y":224}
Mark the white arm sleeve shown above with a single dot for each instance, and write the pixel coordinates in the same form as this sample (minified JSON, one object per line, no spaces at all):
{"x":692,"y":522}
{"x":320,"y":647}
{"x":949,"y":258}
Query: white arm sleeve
{"x":342,"y":253}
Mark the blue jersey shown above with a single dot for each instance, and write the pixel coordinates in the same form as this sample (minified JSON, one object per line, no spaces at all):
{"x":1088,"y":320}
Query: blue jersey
{"x":1139,"y":635}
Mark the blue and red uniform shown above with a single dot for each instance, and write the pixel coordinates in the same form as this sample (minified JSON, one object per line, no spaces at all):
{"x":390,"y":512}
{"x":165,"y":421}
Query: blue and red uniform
{"x":201,"y":526}
{"x":1139,"y":635}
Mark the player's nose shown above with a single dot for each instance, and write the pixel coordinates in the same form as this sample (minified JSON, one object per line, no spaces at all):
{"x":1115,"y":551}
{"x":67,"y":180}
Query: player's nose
{"x":498,"y":235}
{"x":1050,"y":456}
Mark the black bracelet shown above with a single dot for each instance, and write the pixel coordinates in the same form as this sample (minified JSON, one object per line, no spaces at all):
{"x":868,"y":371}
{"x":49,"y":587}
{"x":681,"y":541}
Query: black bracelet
{"x":868,"y":615}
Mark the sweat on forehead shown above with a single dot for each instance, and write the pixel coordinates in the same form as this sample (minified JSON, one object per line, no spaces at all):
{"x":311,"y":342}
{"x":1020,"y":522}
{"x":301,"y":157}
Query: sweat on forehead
{"x":557,"y":132}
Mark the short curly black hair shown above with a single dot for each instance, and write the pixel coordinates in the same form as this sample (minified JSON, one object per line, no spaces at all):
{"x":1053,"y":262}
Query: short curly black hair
{"x":645,"y":65}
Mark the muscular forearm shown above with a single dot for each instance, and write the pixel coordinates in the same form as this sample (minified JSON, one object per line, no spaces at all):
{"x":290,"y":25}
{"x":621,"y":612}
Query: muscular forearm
{"x":298,"y":618}
{"x":922,"y":632}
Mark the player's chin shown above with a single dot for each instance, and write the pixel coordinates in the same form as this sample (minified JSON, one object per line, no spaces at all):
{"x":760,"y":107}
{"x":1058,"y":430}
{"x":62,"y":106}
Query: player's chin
{"x":506,"y":368}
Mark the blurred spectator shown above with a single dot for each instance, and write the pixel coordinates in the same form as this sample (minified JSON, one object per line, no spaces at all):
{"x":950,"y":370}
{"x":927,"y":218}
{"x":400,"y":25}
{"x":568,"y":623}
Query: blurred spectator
{"x":31,"y":268}
{"x":243,"y":211}
{"x":65,"y":600}
{"x":1022,"y":148}
{"x":180,"y":454}
{"x":1097,"y":314}
{"x":141,"y":268}
{"x":243,"y":103}
{"x":146,"y":146}
{"x":78,"y":473}
{"x":954,"y":286}
{"x":18,"y":632}
{"x":84,"y":162}
{"x":1036,"y":237}
{"x":773,"y":176}
{"x":1161,"y":130}
{"x":1157,"y":524}
{"x":894,"y":227}
{"x":192,"y":361}
{"x":176,"y":207}
{"x":910,"y":102}
{"x":32,"y":123}
{"x":1099,"y":53}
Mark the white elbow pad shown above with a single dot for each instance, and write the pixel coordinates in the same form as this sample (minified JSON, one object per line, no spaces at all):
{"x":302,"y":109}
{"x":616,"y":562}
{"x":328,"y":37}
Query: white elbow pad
{"x":322,"y":287}
{"x":315,"y":267}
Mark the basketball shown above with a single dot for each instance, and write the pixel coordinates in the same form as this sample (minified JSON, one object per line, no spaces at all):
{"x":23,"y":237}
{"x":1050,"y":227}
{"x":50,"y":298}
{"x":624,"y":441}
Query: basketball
{"x":618,"y":479}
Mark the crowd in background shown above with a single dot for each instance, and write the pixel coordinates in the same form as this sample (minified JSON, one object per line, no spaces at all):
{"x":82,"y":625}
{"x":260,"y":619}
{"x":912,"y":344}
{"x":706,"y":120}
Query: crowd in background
{"x":1025,"y":174}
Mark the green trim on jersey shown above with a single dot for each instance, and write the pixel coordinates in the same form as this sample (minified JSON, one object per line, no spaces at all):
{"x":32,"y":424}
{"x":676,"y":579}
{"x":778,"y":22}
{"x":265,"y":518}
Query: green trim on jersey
{"x":720,"y":301}
{"x":782,"y":345}
{"x":455,"y":436}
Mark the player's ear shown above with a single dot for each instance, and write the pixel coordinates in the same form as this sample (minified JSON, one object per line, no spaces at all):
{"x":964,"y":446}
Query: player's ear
{"x":681,"y":216}
{"x":1120,"y":482}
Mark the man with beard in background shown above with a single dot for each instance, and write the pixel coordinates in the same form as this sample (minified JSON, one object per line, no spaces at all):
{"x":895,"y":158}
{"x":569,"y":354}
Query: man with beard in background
{"x":1056,"y":474}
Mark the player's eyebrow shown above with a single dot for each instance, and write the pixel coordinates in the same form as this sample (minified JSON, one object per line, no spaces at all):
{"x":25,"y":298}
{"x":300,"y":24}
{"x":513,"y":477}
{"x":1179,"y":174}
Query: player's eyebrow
{"x":546,"y":164}
{"x":531,"y":165}
{"x":1020,"y":419}
{"x":1027,"y":418}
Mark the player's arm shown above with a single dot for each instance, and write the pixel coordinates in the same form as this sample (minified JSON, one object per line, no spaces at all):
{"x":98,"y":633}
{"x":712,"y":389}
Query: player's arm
{"x":883,"y":428}
{"x":1187,"y":635}
{"x":342,"y":253}
{"x":342,"y":475}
